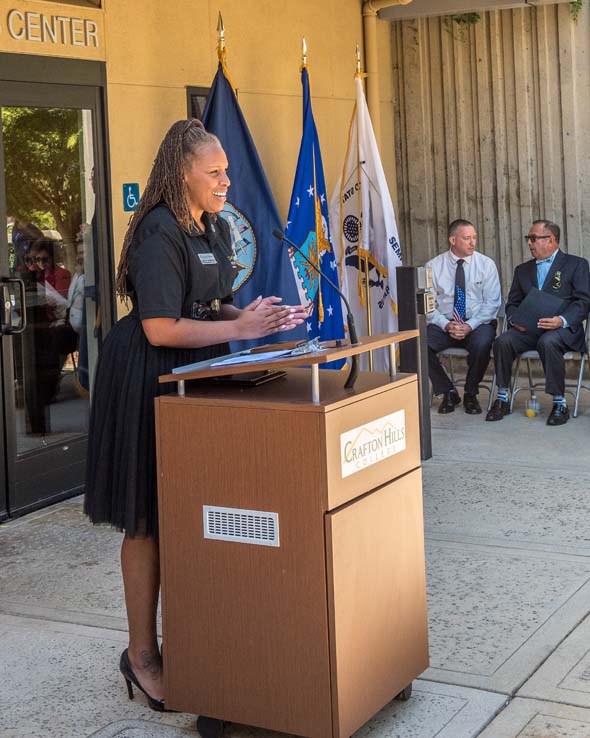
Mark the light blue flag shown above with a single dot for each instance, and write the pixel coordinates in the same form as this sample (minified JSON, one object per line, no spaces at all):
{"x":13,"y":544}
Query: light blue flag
{"x":307,"y":226}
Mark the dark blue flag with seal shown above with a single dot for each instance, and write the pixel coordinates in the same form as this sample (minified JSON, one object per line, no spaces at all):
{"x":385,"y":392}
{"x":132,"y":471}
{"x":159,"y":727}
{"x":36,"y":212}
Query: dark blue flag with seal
{"x":307,"y":226}
{"x":262,"y":262}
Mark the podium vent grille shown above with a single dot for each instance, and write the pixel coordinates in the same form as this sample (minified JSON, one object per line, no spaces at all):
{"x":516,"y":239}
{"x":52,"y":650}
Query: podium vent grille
{"x":241,"y":526}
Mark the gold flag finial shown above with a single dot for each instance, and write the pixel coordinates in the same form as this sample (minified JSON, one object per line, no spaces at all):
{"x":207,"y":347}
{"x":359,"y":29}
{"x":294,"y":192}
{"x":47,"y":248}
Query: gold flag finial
{"x":303,"y":52}
{"x":359,"y":74}
{"x":220,"y":35}
{"x":221,"y":50}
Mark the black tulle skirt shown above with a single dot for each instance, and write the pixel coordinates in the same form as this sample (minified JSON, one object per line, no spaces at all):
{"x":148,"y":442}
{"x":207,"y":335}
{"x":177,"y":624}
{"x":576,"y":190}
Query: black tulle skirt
{"x":121,"y":481}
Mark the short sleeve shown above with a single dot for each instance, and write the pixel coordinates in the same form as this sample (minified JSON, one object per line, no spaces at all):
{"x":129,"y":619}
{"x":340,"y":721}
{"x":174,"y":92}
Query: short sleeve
{"x":158,"y":275}
{"x":225,"y":245}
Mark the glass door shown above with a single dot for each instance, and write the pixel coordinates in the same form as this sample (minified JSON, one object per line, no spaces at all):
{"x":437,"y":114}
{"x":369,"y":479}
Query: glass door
{"x":49,"y":258}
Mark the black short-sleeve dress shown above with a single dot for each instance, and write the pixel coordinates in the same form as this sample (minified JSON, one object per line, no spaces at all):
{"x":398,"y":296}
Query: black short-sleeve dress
{"x":172,"y":274}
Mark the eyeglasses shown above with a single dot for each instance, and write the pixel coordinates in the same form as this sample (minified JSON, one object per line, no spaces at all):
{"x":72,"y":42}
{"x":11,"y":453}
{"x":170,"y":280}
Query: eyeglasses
{"x":532,"y":238}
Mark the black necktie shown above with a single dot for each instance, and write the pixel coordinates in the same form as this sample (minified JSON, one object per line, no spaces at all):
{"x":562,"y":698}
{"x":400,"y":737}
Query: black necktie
{"x":460,"y":302}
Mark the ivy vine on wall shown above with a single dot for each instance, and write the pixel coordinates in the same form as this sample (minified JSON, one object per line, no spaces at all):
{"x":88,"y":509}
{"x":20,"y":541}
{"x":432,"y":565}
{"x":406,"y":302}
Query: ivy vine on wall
{"x":460,"y":22}
{"x":575,"y":7}
{"x":464,"y":19}
{"x":457,"y":25}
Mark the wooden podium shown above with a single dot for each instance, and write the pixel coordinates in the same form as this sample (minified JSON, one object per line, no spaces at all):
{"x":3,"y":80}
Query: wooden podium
{"x":291,"y":541}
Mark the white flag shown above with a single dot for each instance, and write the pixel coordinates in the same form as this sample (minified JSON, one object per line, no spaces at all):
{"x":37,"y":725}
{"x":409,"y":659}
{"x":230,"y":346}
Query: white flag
{"x":363,"y":227}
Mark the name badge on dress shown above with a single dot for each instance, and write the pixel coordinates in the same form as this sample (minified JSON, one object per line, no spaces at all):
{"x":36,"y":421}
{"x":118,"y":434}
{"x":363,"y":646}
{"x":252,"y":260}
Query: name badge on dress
{"x":207,"y":259}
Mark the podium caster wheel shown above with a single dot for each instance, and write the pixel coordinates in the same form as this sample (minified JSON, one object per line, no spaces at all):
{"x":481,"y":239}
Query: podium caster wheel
{"x":405,"y":694}
{"x":210,"y":727}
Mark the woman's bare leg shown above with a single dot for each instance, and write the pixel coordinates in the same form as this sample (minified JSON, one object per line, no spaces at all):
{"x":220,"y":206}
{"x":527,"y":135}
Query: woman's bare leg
{"x":140,"y":562}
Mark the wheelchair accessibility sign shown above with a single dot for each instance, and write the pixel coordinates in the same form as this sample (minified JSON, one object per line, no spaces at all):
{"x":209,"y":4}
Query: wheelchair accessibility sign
{"x":130,"y":196}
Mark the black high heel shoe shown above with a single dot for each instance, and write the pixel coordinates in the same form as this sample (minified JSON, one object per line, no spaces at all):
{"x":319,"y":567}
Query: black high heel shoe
{"x":130,"y":678}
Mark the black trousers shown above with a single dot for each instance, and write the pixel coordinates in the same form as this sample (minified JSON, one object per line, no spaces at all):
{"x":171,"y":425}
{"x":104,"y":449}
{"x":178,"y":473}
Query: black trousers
{"x":551,"y":348}
{"x":477,"y":343}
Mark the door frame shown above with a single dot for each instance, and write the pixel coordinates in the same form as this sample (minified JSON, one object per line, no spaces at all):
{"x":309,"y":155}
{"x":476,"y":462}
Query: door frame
{"x":52,"y":82}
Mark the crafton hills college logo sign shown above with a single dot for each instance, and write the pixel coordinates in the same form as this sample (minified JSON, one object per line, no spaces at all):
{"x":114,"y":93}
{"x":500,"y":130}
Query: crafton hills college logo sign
{"x":373,"y":442}
{"x":243,"y":243}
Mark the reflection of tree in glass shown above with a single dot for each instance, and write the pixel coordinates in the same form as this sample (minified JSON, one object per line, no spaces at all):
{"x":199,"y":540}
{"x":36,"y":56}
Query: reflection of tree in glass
{"x":42,"y":167}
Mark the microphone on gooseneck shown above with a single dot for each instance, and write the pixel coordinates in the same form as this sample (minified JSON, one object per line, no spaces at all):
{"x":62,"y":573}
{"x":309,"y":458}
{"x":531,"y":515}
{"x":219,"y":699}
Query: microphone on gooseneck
{"x":349,"y":317}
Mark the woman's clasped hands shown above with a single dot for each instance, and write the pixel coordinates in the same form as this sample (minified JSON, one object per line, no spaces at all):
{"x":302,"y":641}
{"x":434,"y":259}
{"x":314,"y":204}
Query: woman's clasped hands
{"x":265,"y":315}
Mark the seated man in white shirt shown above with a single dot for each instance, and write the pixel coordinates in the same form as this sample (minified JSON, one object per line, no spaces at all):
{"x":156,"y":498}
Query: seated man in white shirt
{"x":468,"y":298}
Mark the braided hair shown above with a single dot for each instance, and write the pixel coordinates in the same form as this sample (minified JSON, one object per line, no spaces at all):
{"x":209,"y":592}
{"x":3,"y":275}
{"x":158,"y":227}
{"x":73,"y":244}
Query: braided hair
{"x":166,"y":184}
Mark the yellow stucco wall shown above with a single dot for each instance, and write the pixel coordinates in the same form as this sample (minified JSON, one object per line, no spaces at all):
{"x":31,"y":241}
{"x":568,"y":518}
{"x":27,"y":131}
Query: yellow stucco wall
{"x":149,"y":69}
{"x":153,"y":50}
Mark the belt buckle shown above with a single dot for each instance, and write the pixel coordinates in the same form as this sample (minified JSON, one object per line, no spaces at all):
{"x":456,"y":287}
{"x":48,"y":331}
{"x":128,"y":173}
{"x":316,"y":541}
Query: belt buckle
{"x":215,"y":306}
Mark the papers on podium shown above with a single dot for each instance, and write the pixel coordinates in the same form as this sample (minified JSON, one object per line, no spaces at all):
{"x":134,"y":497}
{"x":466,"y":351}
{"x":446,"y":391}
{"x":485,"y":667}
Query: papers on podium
{"x":240,"y":357}
{"x":253,"y":356}
{"x":250,"y":358}
{"x":537,"y":304}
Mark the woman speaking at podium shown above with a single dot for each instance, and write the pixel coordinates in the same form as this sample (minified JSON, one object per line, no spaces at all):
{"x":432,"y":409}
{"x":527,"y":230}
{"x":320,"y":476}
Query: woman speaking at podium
{"x":176,"y":268}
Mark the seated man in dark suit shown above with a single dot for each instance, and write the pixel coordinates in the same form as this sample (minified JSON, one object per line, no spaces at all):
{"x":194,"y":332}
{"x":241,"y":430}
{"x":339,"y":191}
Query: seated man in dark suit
{"x":566,"y":277}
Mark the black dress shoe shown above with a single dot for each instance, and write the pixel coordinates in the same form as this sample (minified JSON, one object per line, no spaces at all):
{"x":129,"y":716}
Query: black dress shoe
{"x":448,"y":402}
{"x":471,"y":404}
{"x":498,"y":410}
{"x":559,"y":415}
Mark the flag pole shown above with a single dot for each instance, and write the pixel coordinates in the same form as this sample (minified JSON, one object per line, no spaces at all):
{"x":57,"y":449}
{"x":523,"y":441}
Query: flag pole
{"x":220,"y":38}
{"x":315,"y":252}
{"x":365,"y":258}
{"x":222,"y":52}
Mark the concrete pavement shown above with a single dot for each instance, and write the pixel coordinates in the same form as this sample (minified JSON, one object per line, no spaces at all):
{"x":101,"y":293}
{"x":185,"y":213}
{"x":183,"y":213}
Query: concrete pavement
{"x":508,"y":554}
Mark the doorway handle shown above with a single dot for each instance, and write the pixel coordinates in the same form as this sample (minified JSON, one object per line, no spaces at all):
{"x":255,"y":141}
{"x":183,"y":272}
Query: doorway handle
{"x":14,"y":318}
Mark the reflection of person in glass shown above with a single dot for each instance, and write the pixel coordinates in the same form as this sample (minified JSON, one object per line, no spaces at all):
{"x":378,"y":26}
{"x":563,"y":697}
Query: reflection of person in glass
{"x":50,"y":338}
{"x":77,"y":317}
{"x":41,"y":362}
{"x":57,"y":277}
{"x":88,"y":240}
{"x":75,"y":297}
{"x":176,"y":268}
{"x":54,"y":284}
{"x":24,"y":234}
